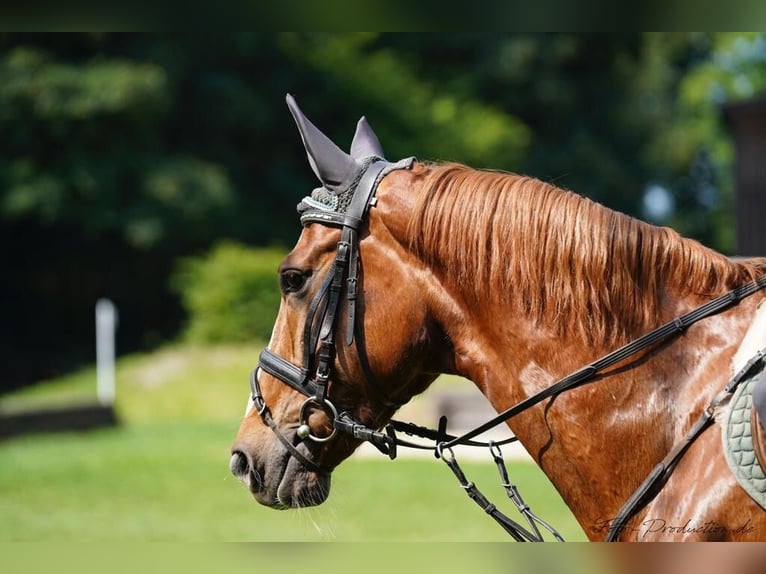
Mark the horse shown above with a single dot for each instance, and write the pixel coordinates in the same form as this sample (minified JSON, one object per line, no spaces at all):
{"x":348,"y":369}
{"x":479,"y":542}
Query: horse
{"x":404,"y":271}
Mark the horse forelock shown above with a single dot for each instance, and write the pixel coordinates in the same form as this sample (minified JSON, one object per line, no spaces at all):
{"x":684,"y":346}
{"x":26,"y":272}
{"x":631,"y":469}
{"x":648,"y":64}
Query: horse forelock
{"x":560,"y":258}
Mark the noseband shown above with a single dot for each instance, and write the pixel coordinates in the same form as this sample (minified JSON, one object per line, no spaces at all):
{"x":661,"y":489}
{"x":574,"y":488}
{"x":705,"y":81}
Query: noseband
{"x":321,"y":323}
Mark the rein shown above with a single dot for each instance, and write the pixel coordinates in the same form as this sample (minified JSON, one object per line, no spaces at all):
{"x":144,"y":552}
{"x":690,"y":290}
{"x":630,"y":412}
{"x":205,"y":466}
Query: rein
{"x":319,"y":330}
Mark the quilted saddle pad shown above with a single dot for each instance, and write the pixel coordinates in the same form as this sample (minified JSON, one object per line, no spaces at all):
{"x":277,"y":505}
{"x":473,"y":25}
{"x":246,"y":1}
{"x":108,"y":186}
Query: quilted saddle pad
{"x":738,"y":442}
{"x":735,"y":418}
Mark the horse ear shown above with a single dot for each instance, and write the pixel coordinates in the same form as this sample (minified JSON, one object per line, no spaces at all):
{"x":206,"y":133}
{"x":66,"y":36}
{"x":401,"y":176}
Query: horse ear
{"x":365,"y":142}
{"x":334,"y":167}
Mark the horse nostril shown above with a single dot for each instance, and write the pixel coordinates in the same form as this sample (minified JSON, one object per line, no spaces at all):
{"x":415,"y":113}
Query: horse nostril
{"x":239,"y":465}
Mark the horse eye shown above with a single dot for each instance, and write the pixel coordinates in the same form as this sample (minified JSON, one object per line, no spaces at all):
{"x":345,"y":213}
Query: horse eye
{"x":292,"y":280}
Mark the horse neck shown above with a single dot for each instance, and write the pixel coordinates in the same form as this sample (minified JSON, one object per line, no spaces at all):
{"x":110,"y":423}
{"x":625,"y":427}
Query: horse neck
{"x":598,"y":441}
{"x":511,"y":350}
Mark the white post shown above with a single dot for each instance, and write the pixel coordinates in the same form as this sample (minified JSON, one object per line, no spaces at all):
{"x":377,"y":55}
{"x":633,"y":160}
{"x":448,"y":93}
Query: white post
{"x":106,"y":325}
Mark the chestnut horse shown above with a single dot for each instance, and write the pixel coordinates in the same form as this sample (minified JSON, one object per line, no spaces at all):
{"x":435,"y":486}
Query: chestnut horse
{"x":405,"y":271}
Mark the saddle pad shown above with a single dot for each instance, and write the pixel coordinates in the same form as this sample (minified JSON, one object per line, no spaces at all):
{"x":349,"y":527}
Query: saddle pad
{"x":738,"y":442}
{"x":735,"y":417}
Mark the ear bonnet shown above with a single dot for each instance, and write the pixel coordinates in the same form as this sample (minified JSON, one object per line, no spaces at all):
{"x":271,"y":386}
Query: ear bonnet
{"x":339,"y":173}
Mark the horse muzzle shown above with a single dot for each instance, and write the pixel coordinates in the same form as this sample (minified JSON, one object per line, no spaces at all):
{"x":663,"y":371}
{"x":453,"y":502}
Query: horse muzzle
{"x":278,"y":480}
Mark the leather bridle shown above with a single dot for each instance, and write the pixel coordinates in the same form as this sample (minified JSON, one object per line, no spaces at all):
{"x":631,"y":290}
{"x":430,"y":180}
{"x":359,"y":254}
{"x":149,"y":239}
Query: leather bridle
{"x":320,"y":326}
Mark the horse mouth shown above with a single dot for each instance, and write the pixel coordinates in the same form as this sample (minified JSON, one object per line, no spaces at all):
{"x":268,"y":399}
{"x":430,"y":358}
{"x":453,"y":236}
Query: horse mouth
{"x":280,"y":481}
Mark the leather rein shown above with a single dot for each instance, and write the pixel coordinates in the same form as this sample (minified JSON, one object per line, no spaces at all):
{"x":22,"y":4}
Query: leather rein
{"x":319,"y":331}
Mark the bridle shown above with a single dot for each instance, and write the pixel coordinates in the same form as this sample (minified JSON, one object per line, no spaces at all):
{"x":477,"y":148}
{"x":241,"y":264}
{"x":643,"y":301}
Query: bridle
{"x":320,"y":326}
{"x":312,"y":376}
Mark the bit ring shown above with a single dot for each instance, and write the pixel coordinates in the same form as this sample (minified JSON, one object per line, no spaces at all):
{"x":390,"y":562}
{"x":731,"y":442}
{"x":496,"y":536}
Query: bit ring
{"x":304,"y":431}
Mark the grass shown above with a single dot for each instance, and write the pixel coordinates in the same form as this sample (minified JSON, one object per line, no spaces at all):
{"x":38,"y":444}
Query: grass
{"x":175,"y":383}
{"x":163,"y":474}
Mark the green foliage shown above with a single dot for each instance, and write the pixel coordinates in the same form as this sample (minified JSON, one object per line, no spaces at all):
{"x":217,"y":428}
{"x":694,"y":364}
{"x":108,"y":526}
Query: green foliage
{"x":731,"y":68}
{"x":444,"y":124}
{"x":59,"y":91}
{"x":230,"y":294}
{"x":81,"y":146}
{"x":168,"y":142}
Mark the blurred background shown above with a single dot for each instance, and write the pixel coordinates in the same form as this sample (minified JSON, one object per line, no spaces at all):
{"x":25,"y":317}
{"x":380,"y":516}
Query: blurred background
{"x":123,"y":154}
{"x":162,"y":171}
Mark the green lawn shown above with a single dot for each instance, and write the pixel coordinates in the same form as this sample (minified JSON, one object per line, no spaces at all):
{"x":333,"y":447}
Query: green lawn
{"x":163,"y":474}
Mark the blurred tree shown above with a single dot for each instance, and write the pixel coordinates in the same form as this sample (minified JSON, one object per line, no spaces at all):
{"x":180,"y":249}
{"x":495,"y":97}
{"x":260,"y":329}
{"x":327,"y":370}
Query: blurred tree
{"x":122,"y":152}
{"x":732,"y":67}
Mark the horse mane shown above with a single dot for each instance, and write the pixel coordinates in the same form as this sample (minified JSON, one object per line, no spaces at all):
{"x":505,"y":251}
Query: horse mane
{"x":566,"y":261}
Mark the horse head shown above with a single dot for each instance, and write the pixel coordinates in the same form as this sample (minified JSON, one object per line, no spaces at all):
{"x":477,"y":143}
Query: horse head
{"x":353,"y":338}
